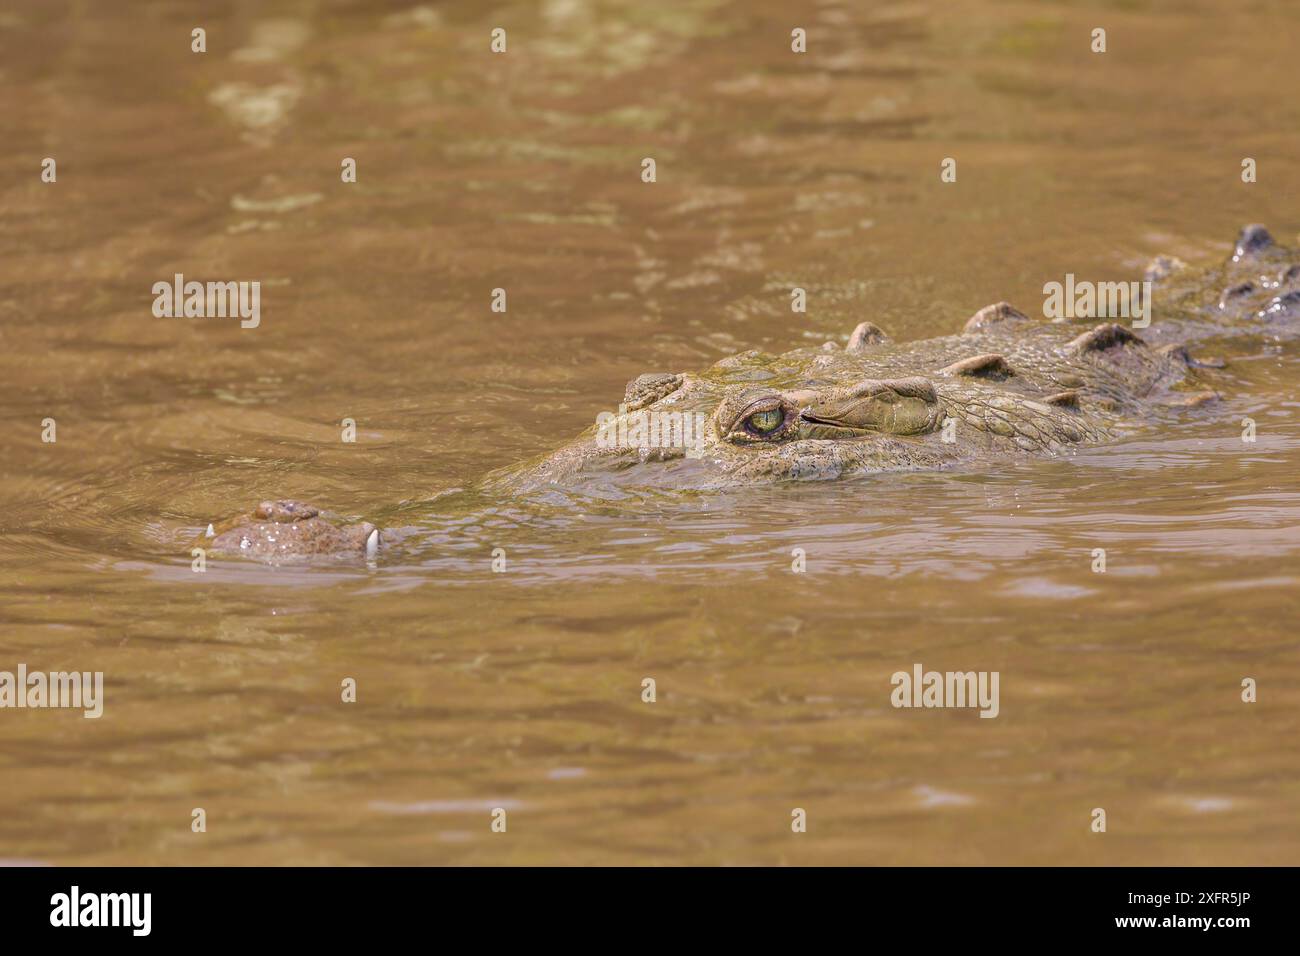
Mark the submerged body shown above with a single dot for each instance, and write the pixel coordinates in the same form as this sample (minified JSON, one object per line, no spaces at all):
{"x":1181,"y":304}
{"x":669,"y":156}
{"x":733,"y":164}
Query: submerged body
{"x":1004,"y":386}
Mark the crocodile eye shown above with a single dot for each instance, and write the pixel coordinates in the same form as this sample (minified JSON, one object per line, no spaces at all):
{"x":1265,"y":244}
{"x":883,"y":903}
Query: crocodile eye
{"x":757,"y":415}
{"x":766,"y":421}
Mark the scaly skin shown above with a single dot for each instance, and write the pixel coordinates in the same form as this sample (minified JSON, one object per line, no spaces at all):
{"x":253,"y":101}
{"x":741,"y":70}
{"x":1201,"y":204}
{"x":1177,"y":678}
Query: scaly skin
{"x":277,"y":530}
{"x":1010,"y":388}
{"x":1005,"y":386}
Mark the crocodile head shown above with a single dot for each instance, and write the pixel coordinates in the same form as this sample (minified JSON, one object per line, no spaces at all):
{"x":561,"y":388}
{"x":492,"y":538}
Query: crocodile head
{"x":1004,"y":386}
{"x":281,"y":530}
{"x":829,"y":413}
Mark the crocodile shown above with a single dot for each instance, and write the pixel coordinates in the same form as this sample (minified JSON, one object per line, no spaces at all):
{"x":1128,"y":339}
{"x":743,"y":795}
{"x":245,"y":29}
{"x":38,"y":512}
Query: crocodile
{"x":1003,"y":386}
{"x":279,"y":530}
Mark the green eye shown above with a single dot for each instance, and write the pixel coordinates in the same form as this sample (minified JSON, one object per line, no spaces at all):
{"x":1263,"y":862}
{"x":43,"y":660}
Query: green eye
{"x":764,"y":423}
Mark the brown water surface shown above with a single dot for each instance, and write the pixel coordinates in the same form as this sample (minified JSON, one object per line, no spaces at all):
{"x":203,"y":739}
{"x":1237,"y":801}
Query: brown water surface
{"x":522,"y":690}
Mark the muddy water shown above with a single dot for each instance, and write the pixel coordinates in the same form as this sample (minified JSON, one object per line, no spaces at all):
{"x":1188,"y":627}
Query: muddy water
{"x":522,"y":690}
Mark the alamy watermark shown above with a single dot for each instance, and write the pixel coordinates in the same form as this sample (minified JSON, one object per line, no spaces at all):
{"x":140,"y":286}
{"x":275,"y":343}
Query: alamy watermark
{"x":75,"y":908}
{"x":651,"y":429}
{"x":211,"y":300}
{"x":922,"y":688}
{"x":1098,"y":300}
{"x":82,"y":690}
